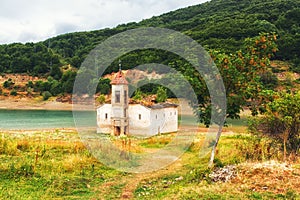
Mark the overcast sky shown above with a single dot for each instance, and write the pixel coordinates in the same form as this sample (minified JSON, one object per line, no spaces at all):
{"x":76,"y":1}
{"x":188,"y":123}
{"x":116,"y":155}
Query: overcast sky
{"x":36,"y":20}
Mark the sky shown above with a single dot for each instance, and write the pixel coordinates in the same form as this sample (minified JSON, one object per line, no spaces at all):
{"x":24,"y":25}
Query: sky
{"x":36,"y":20}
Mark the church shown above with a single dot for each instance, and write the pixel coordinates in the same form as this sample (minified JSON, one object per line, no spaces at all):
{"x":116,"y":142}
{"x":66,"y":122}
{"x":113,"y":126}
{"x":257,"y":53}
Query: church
{"x":121,"y":118}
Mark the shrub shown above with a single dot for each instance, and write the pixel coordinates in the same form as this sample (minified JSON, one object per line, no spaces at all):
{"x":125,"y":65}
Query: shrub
{"x":281,"y":121}
{"x":8,"y":83}
{"x":269,"y":80}
{"x":30,"y":84}
{"x":46,"y":95}
{"x":161,"y":95}
{"x":13,"y":92}
{"x":137,"y":95}
{"x":101,"y":99}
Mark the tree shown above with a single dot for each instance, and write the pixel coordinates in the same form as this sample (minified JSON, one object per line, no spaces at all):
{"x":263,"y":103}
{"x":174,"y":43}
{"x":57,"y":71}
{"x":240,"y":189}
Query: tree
{"x":55,"y":72}
{"x":101,"y":99}
{"x":281,"y":121}
{"x":56,"y":88}
{"x":161,"y":94}
{"x":103,"y":86}
{"x":241,"y":76}
{"x":67,"y":80}
{"x":138,"y":95}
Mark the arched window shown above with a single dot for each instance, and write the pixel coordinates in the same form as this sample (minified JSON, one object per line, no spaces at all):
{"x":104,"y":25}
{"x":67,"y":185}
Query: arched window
{"x":117,"y":96}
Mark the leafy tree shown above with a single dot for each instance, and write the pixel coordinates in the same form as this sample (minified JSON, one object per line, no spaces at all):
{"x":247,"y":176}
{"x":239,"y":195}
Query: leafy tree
{"x":56,"y":88}
{"x":281,"y":121}
{"x":55,"y":72}
{"x":68,"y":79}
{"x":103,"y":86}
{"x":101,"y":99}
{"x":45,"y":86}
{"x":241,"y":76}
{"x":38,"y":86}
{"x":269,"y":80}
{"x":161,"y":95}
{"x":138,"y":95}
{"x":41,"y":69}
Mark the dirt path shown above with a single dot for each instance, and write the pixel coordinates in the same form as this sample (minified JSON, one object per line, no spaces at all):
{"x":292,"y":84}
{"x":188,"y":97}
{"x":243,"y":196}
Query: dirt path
{"x":130,"y":182}
{"x":133,"y":182}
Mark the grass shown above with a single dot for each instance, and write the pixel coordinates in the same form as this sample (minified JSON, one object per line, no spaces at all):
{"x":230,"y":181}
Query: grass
{"x":56,"y":165}
{"x":43,"y":166}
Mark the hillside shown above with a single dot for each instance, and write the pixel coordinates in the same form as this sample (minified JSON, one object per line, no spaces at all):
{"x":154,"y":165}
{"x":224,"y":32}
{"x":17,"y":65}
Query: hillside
{"x":218,"y":24}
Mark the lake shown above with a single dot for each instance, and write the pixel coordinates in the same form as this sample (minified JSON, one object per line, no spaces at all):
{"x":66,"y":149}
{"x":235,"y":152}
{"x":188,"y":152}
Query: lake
{"x":44,"y":119}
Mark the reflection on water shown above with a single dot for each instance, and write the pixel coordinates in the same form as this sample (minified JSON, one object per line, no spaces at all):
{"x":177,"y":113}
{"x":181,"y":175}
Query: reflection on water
{"x":43,"y":119}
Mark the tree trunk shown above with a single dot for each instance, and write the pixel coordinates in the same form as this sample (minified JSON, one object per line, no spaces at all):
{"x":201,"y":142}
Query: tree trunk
{"x":213,"y":151}
{"x":285,"y":138}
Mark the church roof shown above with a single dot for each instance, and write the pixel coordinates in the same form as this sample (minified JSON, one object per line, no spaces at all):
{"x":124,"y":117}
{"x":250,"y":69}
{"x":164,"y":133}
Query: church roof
{"x":119,"y":79}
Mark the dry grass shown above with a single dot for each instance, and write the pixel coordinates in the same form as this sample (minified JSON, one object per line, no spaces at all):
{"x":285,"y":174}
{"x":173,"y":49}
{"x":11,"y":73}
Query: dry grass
{"x":55,"y":164}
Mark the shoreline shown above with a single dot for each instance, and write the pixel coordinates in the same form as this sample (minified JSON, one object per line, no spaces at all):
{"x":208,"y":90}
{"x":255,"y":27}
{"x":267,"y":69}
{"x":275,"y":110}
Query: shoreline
{"x":37,"y":104}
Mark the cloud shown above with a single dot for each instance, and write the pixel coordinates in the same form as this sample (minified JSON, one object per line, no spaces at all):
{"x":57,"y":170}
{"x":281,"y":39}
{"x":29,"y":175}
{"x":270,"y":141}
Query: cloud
{"x":35,"y":20}
{"x":65,"y":28}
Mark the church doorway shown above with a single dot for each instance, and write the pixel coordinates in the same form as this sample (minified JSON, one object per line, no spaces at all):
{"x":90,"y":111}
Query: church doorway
{"x":117,"y":131}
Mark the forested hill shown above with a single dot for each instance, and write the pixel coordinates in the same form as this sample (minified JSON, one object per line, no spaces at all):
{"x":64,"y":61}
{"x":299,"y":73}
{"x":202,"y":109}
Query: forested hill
{"x":218,"y":24}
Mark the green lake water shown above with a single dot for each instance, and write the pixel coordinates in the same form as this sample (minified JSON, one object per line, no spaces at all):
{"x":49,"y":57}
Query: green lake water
{"x":44,"y":119}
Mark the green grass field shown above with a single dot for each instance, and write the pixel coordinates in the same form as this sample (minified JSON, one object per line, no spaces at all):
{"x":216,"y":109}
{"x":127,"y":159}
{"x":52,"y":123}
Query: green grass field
{"x":56,"y":165}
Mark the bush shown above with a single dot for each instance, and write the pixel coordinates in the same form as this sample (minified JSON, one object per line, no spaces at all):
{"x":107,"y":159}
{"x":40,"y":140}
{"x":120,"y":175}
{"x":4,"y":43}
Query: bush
{"x":269,"y":80}
{"x":138,"y":95}
{"x":56,"y":88}
{"x":30,"y":84}
{"x":161,"y":95}
{"x":101,"y":99}
{"x":46,"y":95}
{"x":13,"y":92}
{"x":281,"y":121}
{"x":8,"y":83}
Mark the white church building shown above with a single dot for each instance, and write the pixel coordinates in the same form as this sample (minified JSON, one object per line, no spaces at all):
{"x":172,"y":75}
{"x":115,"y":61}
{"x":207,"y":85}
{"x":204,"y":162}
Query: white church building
{"x":122,"y":118}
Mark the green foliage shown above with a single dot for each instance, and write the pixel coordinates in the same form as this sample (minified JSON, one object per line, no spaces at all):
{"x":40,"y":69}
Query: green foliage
{"x":56,"y":88}
{"x":221,"y":25}
{"x":103,"y":86}
{"x":241,"y":73}
{"x":269,"y":80}
{"x":68,"y":79}
{"x":13,"y":92}
{"x":101,"y":99}
{"x":138,"y":95}
{"x":56,"y":72}
{"x":46,"y":95}
{"x":281,"y":120}
{"x":8,"y":83}
{"x":161,"y":94}
{"x":30,"y":84}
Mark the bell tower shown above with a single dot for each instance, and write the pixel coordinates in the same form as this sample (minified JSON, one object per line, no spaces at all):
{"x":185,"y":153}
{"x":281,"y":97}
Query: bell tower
{"x":119,"y":102}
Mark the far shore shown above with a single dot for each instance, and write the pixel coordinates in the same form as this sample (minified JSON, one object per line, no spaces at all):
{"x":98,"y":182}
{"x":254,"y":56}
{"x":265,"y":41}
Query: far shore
{"x":37,"y":104}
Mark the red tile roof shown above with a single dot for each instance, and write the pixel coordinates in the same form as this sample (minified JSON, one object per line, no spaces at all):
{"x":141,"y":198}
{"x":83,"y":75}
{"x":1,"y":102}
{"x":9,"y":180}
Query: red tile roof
{"x":119,"y":79}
